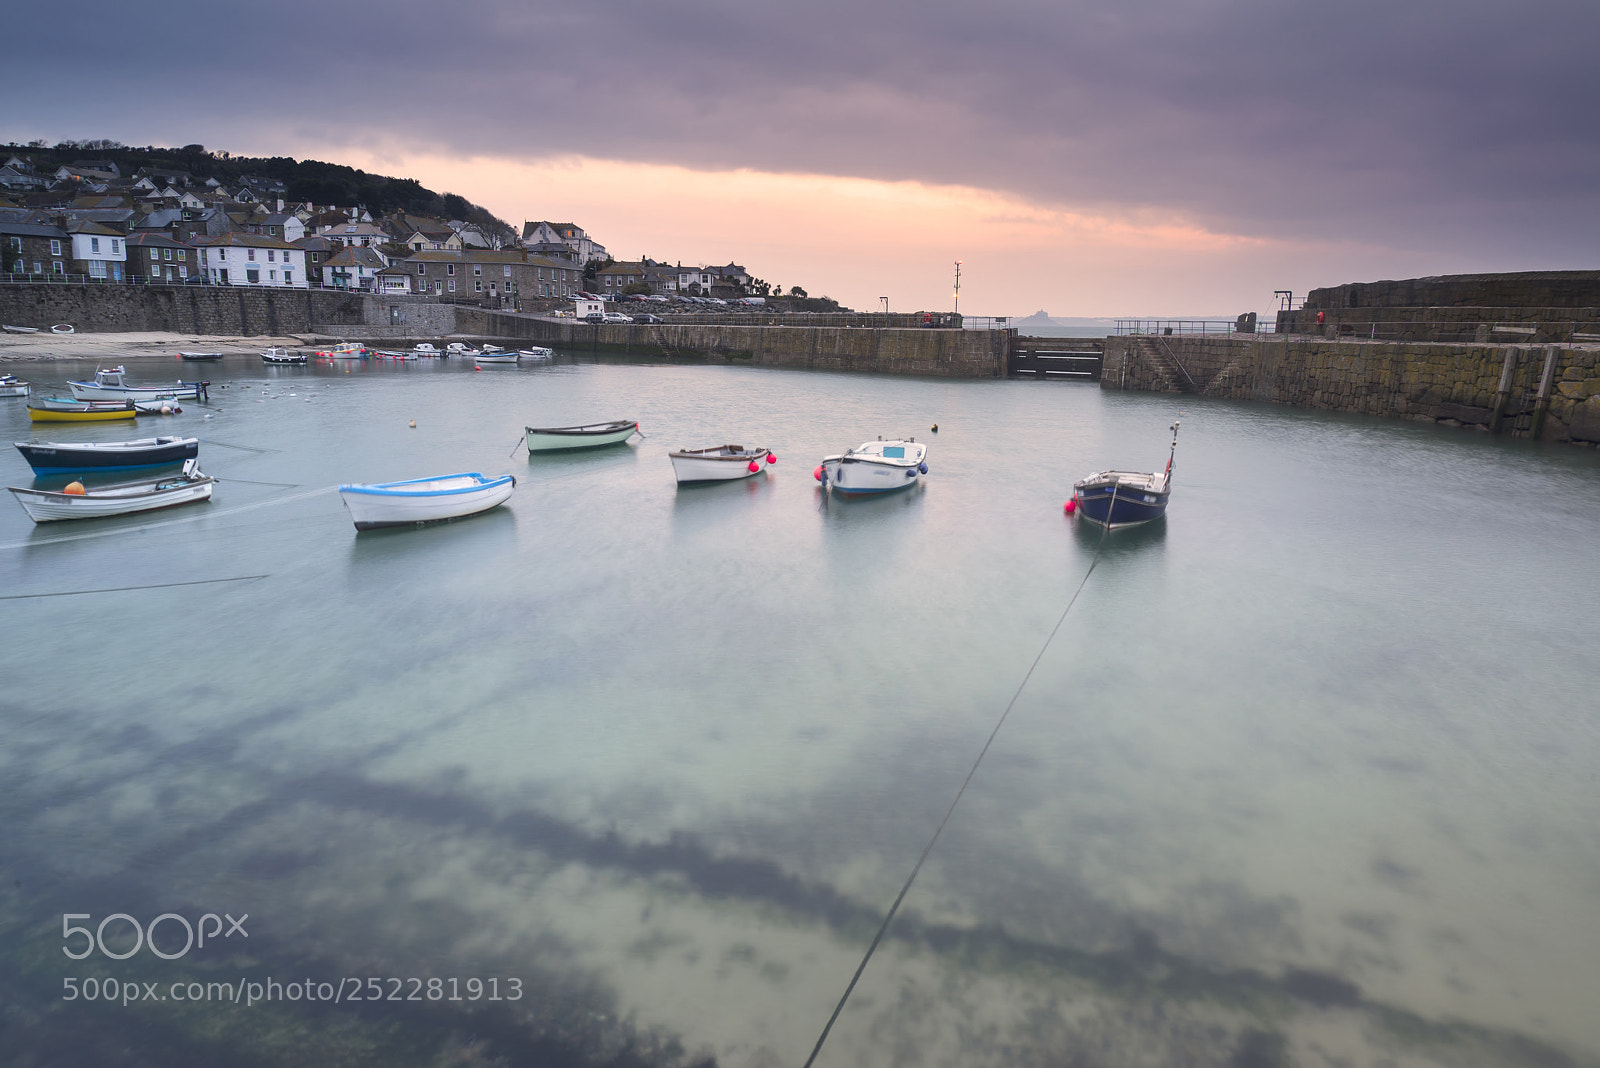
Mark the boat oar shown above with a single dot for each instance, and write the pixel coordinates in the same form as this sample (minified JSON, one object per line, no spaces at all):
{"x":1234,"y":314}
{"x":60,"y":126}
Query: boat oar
{"x":520,"y":442}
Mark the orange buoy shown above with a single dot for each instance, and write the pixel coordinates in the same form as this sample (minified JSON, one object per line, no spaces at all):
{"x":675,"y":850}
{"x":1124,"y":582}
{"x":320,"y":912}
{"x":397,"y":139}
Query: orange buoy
{"x":74,"y":488}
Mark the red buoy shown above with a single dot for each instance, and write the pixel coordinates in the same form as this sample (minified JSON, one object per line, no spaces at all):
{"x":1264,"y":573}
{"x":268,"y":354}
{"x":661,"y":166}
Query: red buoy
{"x":1071,"y":506}
{"x":817,"y":474}
{"x":754,"y":467}
{"x":771,"y":459}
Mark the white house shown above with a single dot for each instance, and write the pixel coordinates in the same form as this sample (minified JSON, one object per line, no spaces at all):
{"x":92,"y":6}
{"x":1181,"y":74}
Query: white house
{"x":100,"y":251}
{"x":252,"y":259}
{"x":353,"y":268}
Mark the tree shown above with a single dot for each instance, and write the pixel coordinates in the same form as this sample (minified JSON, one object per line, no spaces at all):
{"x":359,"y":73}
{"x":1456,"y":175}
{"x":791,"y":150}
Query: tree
{"x":796,"y":291}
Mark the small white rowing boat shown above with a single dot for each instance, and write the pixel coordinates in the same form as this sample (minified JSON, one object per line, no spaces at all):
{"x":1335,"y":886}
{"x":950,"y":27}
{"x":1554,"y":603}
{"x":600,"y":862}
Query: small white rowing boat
{"x":495,"y":356}
{"x":8,"y":328}
{"x":424,"y":500}
{"x":12,"y":386}
{"x":721,"y":464}
{"x":536,"y":353}
{"x":592,"y":436}
{"x":46,"y":506}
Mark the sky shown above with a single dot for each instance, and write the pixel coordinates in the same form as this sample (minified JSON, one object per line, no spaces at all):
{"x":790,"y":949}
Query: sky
{"x":1102,"y":158}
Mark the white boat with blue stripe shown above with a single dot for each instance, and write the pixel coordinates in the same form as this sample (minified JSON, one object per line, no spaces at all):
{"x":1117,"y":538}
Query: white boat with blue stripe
{"x":875,"y":467}
{"x":424,"y":500}
{"x":110,"y":384}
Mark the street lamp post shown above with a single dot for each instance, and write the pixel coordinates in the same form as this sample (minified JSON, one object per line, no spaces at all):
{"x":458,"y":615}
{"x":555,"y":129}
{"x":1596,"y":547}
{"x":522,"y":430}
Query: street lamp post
{"x":885,"y":310}
{"x":958,"y":288}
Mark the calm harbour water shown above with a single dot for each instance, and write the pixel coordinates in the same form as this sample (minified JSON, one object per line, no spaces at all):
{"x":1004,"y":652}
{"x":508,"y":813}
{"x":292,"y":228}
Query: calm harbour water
{"x":1307,"y":774}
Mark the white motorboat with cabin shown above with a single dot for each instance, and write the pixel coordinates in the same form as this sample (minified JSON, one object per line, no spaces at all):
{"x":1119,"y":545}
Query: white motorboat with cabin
{"x":279,"y":354}
{"x":110,"y":383}
{"x":535,"y":353}
{"x":77,"y":502}
{"x":424,"y":500}
{"x":875,"y":467}
{"x":425,"y":349}
{"x":457,"y":348}
{"x":723,"y":463}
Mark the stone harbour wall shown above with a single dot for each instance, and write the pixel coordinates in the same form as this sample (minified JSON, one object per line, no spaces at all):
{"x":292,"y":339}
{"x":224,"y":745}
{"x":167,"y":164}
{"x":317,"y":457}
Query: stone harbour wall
{"x":196,"y":309}
{"x":943,"y":353}
{"x":1459,"y":385}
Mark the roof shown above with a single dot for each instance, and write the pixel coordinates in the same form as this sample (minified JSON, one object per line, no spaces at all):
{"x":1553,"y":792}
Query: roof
{"x":155,"y":239}
{"x":89,"y":226}
{"x":355,"y":257}
{"x":235,"y":239}
{"x":30,"y":230}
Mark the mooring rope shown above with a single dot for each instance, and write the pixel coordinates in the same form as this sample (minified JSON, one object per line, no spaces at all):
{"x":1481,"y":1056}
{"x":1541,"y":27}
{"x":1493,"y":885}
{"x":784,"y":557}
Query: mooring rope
{"x":125,"y":589}
{"x":894,"y":908}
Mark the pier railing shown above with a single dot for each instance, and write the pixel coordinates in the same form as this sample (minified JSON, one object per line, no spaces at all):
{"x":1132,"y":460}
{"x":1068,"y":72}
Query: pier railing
{"x":1168,"y":327}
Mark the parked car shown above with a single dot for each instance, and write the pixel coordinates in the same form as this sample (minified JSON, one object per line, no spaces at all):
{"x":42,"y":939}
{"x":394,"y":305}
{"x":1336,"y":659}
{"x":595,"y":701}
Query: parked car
{"x":594,"y":317}
{"x":658,"y":298}
{"x":617,"y":317}
{"x":648,"y":318}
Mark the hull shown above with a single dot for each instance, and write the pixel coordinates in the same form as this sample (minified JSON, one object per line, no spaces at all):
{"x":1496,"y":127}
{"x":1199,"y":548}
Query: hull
{"x":424,"y":500}
{"x":496,"y":357}
{"x":13,"y":389}
{"x":80,"y":415}
{"x":90,"y":391}
{"x":598,"y":435}
{"x":535,"y":354}
{"x":276,"y":355}
{"x":43,"y":506}
{"x":876,"y":467}
{"x":1125,"y":502}
{"x":200,"y":357}
{"x":46,"y":457}
{"x":726,"y":464}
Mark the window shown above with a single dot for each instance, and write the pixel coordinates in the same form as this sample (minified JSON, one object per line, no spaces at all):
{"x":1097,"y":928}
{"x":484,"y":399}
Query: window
{"x":180,"y":255}
{"x":272,"y":276}
{"x":155,"y":254}
{"x":272,"y":255}
{"x":422,"y":268}
{"x":477,"y":268}
{"x":97,"y":268}
{"x":16,"y":244}
{"x":55,"y":246}
{"x":56,"y":266}
{"x":94,"y":244}
{"x":38,"y":268}
{"x":19,"y":267}
{"x":116,"y":246}
{"x":450,"y":268}
{"x":452,"y":285}
{"x":540,"y":272}
{"x":477,"y":286}
{"x":288,"y":278}
{"x":506,"y":270}
{"x":249,"y":253}
{"x":252,"y":275}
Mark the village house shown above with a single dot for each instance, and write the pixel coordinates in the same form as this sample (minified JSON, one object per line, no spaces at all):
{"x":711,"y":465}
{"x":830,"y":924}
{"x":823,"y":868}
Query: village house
{"x":537,"y":237}
{"x":34,"y":248}
{"x":155,"y":257}
{"x":394,"y":279}
{"x":97,"y":250}
{"x":618,"y":276}
{"x":490,"y":275}
{"x":252,"y":259}
{"x":353,"y":268}
{"x":317,"y":250}
{"x":355,"y":233}
{"x":434,"y":241}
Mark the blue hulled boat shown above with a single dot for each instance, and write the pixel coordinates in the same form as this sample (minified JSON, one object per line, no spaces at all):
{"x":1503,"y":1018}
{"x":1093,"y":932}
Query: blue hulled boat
{"x":1124,"y":498}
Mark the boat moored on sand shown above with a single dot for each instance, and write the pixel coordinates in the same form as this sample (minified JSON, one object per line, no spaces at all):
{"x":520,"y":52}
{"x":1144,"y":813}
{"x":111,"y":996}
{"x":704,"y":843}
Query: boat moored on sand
{"x":424,"y":500}
{"x":1115,"y":499}
{"x":875,"y":467}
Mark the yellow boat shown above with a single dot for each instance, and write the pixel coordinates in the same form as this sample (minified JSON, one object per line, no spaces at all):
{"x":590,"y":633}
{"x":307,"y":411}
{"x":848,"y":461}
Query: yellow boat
{"x":85,"y":414}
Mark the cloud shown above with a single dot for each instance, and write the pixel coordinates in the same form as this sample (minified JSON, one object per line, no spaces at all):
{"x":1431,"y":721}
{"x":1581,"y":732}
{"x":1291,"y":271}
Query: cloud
{"x":1461,"y":131}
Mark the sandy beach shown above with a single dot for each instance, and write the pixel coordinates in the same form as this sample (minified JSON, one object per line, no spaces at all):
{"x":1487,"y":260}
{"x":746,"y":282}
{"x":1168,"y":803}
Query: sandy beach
{"x":48,"y":346}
